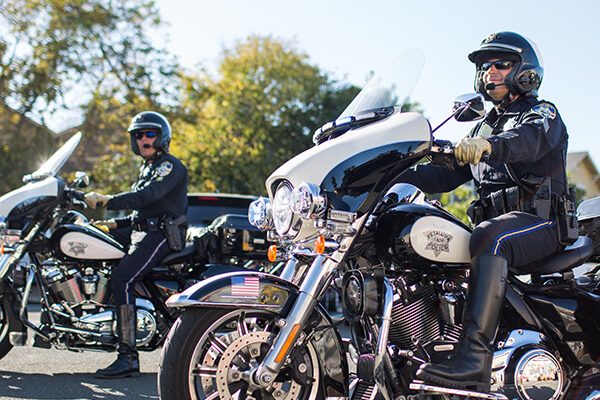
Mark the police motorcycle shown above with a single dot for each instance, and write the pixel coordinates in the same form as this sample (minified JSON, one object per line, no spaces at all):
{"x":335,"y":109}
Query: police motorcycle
{"x":46,"y":239}
{"x":401,"y":263}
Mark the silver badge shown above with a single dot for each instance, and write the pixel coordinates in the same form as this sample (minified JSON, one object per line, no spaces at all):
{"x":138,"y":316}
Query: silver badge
{"x":439,"y":241}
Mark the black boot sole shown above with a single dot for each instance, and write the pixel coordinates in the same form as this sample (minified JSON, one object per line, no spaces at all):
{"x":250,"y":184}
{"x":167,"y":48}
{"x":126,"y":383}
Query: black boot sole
{"x":467,"y":385}
{"x":129,"y":374}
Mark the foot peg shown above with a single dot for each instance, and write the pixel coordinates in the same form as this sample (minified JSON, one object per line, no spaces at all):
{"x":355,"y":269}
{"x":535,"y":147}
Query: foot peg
{"x":431,"y":389}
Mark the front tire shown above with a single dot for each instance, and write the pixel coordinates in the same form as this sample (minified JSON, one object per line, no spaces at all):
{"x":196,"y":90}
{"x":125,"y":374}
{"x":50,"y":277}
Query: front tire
{"x":208,"y":350}
{"x":8,"y":323}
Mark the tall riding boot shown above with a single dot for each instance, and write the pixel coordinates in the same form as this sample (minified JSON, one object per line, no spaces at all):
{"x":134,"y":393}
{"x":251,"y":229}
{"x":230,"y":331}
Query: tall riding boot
{"x":471,"y":366}
{"x":127,"y":363}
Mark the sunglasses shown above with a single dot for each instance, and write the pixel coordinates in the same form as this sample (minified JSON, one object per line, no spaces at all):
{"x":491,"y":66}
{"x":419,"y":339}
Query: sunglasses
{"x":500,"y":65}
{"x":148,"y":134}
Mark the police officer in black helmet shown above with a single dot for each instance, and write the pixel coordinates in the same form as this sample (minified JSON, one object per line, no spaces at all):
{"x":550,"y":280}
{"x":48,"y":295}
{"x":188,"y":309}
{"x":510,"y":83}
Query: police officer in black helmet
{"x":516,"y":156}
{"x":158,"y":199}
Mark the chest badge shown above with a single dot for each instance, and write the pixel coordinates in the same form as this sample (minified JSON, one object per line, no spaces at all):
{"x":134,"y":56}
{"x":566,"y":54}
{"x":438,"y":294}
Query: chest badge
{"x":438,"y":241}
{"x":164,"y":168}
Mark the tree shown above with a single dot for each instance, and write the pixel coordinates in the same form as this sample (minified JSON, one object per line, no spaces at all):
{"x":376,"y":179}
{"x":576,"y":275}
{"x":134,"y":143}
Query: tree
{"x":90,"y":55}
{"x":259,"y":111}
{"x":458,"y":201}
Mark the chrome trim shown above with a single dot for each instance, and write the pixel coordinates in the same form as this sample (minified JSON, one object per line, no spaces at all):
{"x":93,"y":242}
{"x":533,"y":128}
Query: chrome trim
{"x":184,"y":303}
{"x":382,"y":340}
{"x":424,"y":387}
{"x":289,"y":270}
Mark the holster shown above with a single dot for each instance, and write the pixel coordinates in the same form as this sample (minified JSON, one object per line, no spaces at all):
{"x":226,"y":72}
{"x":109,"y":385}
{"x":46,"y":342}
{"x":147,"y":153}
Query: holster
{"x":174,"y":230}
{"x":566,"y":218}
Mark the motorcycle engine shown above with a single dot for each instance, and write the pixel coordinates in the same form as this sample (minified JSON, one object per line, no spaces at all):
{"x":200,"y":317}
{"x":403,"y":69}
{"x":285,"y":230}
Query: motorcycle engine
{"x":422,"y":315}
{"x":74,"y":285}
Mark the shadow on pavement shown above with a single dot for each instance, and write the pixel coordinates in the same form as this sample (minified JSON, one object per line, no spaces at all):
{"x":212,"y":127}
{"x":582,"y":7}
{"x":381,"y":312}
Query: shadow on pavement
{"x":74,"y":386}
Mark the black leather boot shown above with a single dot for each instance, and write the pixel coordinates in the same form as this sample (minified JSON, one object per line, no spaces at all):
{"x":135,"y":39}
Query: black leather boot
{"x":471,"y":367}
{"x":127,"y":363}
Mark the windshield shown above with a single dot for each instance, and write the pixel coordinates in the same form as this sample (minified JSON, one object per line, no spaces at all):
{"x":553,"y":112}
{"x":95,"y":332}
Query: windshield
{"x":53,"y":165}
{"x":391,"y":87}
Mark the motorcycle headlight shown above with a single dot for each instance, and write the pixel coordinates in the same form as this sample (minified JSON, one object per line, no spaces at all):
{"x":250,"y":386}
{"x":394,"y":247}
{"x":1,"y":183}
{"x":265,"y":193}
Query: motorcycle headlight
{"x":259,"y":213}
{"x":307,"y":200}
{"x":281,"y":209}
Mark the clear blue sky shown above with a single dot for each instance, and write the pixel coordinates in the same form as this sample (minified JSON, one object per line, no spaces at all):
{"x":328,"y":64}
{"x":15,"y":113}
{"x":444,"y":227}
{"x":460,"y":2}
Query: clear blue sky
{"x":350,"y":38}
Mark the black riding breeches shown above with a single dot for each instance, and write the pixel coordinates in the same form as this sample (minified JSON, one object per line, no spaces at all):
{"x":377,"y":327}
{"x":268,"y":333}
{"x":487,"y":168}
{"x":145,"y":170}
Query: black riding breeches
{"x":146,"y":250}
{"x":520,"y":237}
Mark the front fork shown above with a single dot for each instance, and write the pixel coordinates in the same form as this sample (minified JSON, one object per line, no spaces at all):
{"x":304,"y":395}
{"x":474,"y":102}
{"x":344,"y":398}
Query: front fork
{"x":317,"y":279}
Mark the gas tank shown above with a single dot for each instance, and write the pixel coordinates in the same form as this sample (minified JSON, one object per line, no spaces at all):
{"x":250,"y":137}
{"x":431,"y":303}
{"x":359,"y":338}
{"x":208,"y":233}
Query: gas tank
{"x":85,"y":242}
{"x":422,"y":236}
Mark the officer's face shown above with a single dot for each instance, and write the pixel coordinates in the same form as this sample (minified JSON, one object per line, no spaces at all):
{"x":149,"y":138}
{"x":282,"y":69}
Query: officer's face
{"x":145,"y":145}
{"x":496,"y":75}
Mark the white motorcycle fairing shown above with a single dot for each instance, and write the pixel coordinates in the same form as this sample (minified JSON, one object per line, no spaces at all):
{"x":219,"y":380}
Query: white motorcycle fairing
{"x":315,"y":164}
{"x":49,"y":187}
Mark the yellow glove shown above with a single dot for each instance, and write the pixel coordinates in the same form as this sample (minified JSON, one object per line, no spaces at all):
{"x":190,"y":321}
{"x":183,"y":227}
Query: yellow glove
{"x":105,"y":224}
{"x":470,"y":150}
{"x":93,"y":199}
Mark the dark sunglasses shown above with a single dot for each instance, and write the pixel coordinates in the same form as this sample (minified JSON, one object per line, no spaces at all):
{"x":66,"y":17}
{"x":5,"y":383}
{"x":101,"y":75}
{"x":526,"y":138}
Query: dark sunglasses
{"x":149,"y":134}
{"x":500,"y":64}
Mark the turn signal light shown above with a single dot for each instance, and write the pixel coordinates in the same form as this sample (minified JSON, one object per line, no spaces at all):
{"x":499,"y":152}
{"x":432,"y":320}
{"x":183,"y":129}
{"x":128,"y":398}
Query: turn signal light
{"x":320,"y":245}
{"x":272,"y":253}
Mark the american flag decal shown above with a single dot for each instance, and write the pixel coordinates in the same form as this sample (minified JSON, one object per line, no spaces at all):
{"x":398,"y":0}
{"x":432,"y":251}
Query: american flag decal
{"x":245,"y":286}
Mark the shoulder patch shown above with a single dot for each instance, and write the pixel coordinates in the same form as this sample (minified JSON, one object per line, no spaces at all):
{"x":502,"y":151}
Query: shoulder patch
{"x":164,"y":168}
{"x":546,"y":110}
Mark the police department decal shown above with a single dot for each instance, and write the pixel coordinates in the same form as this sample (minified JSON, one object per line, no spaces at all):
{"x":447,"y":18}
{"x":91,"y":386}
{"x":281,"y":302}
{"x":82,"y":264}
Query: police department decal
{"x":164,"y":168}
{"x":438,"y":241}
{"x":77,"y":248}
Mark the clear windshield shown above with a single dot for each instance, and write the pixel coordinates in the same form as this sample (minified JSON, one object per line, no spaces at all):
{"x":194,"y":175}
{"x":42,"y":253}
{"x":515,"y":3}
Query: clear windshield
{"x":391,"y":87}
{"x":53,"y":165}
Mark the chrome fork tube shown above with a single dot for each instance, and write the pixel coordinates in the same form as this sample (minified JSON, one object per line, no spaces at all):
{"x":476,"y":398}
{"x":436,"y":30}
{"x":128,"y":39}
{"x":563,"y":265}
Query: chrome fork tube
{"x":289,"y":269}
{"x":382,"y":340}
{"x":317,"y":278}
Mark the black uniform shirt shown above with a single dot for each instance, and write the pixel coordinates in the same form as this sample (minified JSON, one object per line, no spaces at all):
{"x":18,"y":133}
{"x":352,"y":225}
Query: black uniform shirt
{"x":529,"y":137}
{"x":160,"y":190}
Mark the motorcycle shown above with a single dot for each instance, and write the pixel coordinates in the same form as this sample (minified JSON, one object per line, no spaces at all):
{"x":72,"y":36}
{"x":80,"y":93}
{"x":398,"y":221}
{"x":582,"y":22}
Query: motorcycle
{"x":400,"y":262}
{"x":47,"y":239}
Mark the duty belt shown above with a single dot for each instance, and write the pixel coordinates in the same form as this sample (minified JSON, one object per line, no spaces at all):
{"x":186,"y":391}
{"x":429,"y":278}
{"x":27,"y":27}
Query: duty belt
{"x":147,"y":225}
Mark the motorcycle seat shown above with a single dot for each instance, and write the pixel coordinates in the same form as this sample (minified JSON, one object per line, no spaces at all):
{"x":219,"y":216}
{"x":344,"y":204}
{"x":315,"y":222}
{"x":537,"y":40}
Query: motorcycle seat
{"x":180,"y":256}
{"x":565,"y":260}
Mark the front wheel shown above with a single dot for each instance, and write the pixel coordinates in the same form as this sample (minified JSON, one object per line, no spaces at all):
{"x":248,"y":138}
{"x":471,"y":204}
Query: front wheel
{"x":209,"y":352}
{"x":8,"y":323}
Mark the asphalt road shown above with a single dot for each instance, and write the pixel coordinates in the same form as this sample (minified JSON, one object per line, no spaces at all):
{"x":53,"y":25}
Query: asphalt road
{"x":33,"y":373}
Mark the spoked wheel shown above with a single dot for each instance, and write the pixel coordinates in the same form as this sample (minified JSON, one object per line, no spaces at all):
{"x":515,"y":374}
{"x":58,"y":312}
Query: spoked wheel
{"x":210,"y":354}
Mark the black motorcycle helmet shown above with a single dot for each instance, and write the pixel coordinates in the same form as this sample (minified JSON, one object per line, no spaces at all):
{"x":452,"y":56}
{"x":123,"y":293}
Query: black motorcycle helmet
{"x":151,"y":120}
{"x":527,"y":73}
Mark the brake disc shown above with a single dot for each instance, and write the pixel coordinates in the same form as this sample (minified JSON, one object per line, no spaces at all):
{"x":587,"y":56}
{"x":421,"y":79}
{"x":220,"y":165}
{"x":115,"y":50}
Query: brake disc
{"x":240,"y":356}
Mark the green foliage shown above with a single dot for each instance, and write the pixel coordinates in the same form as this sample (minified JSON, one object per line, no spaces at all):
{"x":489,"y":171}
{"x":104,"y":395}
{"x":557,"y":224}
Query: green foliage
{"x":97,"y":51}
{"x":260,"y":111}
{"x":457,"y":202}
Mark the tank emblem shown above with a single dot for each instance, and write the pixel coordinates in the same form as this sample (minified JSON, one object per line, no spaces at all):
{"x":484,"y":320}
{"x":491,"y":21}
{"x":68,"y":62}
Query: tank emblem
{"x":438,"y":242}
{"x":77,"y":248}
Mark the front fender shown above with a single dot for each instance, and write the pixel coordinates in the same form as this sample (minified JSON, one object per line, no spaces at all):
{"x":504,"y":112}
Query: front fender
{"x":252,"y":289}
{"x":248,"y":289}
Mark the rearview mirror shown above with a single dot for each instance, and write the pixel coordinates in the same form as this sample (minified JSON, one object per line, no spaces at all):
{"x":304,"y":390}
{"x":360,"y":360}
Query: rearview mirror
{"x":469,"y":107}
{"x":82,"y":180}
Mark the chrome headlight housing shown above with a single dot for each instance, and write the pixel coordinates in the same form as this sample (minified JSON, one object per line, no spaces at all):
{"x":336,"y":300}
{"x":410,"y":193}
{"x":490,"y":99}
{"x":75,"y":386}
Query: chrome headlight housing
{"x":307,"y":201}
{"x":260,"y":213}
{"x":281,"y":209}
